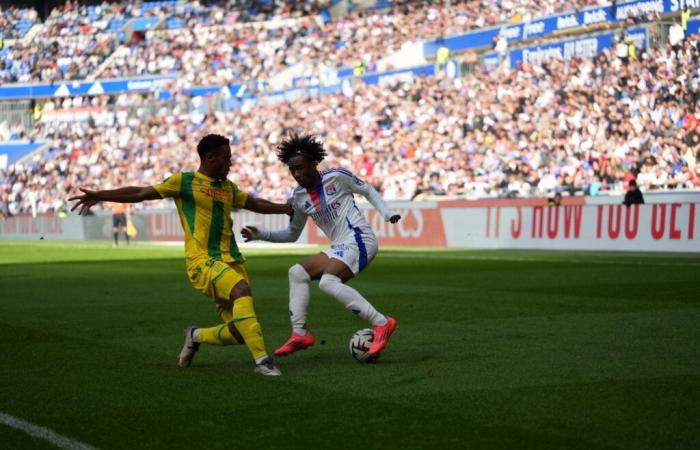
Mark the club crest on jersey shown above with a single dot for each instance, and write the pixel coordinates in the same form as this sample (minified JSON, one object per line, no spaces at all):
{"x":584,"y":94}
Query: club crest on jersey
{"x":331,"y":189}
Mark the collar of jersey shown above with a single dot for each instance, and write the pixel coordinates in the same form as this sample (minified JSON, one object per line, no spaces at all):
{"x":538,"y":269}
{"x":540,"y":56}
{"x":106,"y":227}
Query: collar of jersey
{"x":201,"y":175}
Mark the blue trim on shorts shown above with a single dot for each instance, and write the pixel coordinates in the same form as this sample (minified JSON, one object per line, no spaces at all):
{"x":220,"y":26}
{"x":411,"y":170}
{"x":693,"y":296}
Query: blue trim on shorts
{"x":360,"y":245}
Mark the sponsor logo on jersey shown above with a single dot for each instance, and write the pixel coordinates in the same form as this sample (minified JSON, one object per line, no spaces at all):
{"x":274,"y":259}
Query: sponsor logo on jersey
{"x":217,"y":194}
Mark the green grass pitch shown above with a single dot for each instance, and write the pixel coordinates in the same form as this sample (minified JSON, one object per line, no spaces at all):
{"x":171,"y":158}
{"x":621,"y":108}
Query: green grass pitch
{"x":504,"y":350}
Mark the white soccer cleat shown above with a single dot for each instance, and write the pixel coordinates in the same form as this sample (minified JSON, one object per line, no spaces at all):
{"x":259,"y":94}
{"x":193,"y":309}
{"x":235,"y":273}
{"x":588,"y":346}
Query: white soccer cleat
{"x":267,"y":368}
{"x":189,"y":349}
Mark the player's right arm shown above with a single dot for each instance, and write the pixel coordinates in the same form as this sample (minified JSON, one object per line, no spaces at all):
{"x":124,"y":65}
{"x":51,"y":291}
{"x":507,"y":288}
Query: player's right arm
{"x":365,"y":189}
{"x":289,"y":234}
{"x":131,"y":194}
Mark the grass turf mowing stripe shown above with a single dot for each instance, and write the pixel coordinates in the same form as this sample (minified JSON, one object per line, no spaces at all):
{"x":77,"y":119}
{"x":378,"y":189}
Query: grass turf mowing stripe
{"x":43,"y":433}
{"x":496,"y":354}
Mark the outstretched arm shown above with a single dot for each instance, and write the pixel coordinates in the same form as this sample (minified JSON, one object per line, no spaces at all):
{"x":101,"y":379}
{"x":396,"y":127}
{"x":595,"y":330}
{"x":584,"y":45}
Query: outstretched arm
{"x":371,"y":194}
{"x":262,"y":206}
{"x":131,"y":194}
{"x":289,"y":234}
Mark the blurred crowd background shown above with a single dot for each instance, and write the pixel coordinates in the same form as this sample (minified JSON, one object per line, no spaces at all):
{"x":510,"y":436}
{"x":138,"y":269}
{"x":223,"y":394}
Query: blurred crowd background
{"x":585,"y":126}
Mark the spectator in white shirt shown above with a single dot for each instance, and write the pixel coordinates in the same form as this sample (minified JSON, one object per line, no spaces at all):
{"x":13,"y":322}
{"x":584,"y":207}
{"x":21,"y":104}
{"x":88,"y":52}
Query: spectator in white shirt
{"x":676,"y":36}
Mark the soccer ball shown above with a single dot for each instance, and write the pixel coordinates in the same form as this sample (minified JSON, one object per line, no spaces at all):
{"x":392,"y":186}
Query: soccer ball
{"x":360,"y":343}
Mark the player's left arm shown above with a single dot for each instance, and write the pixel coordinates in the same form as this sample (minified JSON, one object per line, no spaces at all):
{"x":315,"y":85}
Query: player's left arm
{"x":263,"y":206}
{"x":366,"y":190}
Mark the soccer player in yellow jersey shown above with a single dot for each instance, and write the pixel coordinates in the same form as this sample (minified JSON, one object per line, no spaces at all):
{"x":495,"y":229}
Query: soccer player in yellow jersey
{"x":204,"y":201}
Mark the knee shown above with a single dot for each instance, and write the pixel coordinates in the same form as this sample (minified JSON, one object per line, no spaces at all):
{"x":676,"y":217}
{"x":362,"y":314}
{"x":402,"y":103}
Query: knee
{"x":242,"y":289}
{"x":329,"y":283}
{"x":235,"y":333}
{"x":298,"y":274}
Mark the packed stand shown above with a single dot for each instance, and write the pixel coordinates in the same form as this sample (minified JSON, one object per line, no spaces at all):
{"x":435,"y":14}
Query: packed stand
{"x":194,"y":14}
{"x":236,"y":41}
{"x":73,"y":42}
{"x":15,"y":22}
{"x":214,"y":46}
{"x":582,"y":127}
{"x":49,"y":61}
{"x":203,"y":56}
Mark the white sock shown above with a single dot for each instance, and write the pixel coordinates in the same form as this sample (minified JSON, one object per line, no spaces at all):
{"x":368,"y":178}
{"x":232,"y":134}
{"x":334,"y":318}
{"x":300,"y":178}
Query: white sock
{"x":353,"y":300}
{"x":195,"y":335}
{"x":298,"y":298}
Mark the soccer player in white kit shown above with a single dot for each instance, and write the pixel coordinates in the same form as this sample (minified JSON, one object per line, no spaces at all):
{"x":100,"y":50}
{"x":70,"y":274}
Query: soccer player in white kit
{"x":328,"y":198}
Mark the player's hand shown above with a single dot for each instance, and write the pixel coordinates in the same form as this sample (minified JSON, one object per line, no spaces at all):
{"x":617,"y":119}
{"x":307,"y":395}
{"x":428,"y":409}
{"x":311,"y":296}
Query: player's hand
{"x":289,"y":210}
{"x":395,"y":218}
{"x":85,"y":201}
{"x":250,"y":233}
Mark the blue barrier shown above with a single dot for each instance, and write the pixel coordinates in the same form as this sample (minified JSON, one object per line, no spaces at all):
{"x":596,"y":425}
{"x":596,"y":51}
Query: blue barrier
{"x":694,"y":26}
{"x":549,"y":25}
{"x":71,"y":88}
{"x":587,"y":47}
{"x":345,"y":86}
{"x":13,"y":151}
{"x":144,"y":23}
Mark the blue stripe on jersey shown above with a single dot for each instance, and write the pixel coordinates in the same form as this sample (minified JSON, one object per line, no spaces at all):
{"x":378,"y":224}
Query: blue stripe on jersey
{"x":299,"y":189}
{"x":360,"y":245}
{"x":321,"y":195}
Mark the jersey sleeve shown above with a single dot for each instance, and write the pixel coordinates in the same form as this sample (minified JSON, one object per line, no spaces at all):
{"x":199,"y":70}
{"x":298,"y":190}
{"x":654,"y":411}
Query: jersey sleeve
{"x":292,"y":232}
{"x":239,"y":197}
{"x":358,"y":186}
{"x":170,"y":188}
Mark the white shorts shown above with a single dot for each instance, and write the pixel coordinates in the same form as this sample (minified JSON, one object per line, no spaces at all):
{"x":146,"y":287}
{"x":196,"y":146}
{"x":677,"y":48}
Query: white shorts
{"x":355,"y":254}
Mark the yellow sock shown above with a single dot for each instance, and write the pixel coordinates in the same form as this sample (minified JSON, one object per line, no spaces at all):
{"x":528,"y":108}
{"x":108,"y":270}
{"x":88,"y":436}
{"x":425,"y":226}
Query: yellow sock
{"x":217,"y":335}
{"x":247,"y":324}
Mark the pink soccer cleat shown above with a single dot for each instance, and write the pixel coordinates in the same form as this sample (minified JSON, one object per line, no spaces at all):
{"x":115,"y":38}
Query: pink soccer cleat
{"x":382,"y":333}
{"x":295,"y":343}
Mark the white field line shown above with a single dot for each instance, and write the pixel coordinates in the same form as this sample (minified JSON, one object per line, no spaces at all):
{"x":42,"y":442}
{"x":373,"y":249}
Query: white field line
{"x":43,"y":433}
{"x":638,"y":262}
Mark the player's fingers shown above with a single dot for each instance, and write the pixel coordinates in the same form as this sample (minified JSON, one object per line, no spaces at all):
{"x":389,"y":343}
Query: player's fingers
{"x":75,"y":206}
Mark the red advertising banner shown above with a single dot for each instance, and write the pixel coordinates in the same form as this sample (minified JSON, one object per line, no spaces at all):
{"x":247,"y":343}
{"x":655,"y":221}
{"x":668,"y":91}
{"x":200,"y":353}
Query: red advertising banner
{"x":655,"y":227}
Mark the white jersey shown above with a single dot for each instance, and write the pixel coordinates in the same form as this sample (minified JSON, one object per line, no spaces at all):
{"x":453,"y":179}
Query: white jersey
{"x":331,"y":205}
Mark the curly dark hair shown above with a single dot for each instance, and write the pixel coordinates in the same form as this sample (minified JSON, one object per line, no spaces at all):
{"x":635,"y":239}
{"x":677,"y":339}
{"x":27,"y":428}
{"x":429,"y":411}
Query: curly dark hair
{"x":305,"y":145}
{"x":210,"y":143}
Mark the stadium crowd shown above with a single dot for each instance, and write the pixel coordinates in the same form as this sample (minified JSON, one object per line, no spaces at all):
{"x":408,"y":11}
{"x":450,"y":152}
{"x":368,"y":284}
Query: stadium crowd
{"x":227,"y":54}
{"x":580,"y":127}
{"x":233,"y":41}
{"x":14,"y":22}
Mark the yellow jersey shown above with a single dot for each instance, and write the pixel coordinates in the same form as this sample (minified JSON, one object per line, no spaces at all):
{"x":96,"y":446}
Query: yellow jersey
{"x":204,"y":205}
